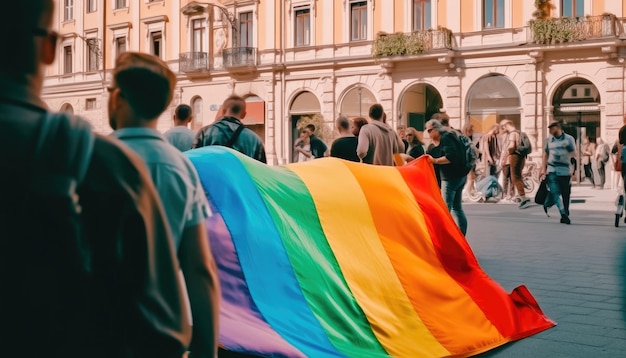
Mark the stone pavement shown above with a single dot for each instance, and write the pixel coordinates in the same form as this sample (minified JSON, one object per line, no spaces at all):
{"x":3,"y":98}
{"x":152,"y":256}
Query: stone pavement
{"x":576,"y":272}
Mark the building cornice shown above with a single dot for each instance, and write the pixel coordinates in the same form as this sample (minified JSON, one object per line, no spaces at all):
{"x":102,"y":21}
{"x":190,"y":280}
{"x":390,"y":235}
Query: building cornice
{"x":155,"y":19}
{"x":121,"y":25}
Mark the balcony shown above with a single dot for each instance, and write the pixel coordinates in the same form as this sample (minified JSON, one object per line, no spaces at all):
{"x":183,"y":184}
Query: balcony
{"x":239,"y":58}
{"x":412,"y":43}
{"x":572,"y":29}
{"x":190,"y":62}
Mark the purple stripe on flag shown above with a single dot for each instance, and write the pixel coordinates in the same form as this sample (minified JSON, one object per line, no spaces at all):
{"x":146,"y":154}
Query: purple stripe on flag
{"x":242,"y":328}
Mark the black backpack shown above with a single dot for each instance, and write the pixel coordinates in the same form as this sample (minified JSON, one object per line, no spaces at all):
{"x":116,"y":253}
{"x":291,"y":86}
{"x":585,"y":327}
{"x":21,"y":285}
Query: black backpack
{"x":525,"y":147}
{"x":47,"y":262}
{"x":468,"y":151}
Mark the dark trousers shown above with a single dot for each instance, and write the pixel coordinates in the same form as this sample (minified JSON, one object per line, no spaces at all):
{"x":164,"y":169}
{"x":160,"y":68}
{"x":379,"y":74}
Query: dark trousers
{"x":589,"y":173}
{"x":601,"y":173}
{"x":560,"y":187}
{"x":517,"y":165}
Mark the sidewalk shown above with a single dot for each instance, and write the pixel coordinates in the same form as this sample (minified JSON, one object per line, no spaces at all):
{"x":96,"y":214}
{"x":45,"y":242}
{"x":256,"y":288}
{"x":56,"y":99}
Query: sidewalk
{"x":583,"y":197}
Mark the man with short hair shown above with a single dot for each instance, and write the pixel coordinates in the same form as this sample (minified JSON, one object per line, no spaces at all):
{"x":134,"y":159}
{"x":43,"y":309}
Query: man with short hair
{"x":318,"y":147}
{"x":401,"y":130}
{"x":344,"y":147}
{"x":180,"y":136}
{"x":451,"y":169}
{"x":143,"y":87}
{"x":516,"y":160}
{"x":107,"y":287}
{"x":228,"y":131}
{"x":490,"y":150}
{"x":377,"y":141}
{"x":559,"y":149}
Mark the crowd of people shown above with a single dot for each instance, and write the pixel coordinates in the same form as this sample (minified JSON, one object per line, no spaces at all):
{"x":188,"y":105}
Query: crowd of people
{"x":104,"y":250}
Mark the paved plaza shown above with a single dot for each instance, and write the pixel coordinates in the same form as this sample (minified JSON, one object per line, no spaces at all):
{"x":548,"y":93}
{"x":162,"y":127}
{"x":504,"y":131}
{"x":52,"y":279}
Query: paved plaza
{"x":576,"y":272}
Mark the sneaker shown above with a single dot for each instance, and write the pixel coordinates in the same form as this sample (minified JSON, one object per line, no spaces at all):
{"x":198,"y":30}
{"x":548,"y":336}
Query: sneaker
{"x":516,"y":199}
{"x":524,"y":204}
{"x":565,"y":219}
{"x":545,"y":210}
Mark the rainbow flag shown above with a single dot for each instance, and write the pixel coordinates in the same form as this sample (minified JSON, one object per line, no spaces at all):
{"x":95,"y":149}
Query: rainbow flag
{"x":331,"y":258}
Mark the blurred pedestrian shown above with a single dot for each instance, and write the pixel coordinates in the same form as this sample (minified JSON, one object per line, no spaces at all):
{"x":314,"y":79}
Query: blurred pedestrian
{"x":230,"y":132}
{"x":560,"y":147}
{"x":345,"y":146}
{"x":86,"y":263}
{"x":180,"y":136}
{"x":143,"y":86}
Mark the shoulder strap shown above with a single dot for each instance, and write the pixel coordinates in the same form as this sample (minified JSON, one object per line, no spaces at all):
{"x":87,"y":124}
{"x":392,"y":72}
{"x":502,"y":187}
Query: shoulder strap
{"x":62,"y":154}
{"x":235,"y":136}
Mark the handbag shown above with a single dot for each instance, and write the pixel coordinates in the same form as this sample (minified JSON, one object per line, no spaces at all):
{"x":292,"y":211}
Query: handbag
{"x":542,"y":192}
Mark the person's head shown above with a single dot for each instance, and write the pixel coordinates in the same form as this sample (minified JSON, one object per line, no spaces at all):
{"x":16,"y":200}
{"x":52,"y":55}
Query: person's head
{"x":585,"y":140}
{"x":442,"y":117}
{"x":435,"y":129}
{"x":143,"y":86}
{"x":402,"y":131}
{"x":414,"y":137}
{"x":376,"y":112}
{"x":495,"y":129}
{"x":599,"y":141}
{"x":234,"y":106}
{"x":622,"y":135}
{"x":182,"y":115}
{"x":305,"y":133}
{"x":311,"y":128}
{"x":468,"y":130}
{"x":555,"y":129}
{"x":357,"y":124}
{"x":343,"y":125}
{"x":507,"y":125}
{"x":25,"y":30}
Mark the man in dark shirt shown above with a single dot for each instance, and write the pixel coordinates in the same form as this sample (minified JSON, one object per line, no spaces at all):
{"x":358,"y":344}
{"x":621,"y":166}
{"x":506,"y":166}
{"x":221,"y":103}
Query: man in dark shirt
{"x":453,"y":177}
{"x":344,"y":147}
{"x":228,"y":131}
{"x":318,"y":147}
{"x":131,"y":303}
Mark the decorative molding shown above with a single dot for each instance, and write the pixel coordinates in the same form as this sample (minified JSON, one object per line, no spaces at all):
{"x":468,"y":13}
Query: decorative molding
{"x":121,"y":25}
{"x":155,"y":19}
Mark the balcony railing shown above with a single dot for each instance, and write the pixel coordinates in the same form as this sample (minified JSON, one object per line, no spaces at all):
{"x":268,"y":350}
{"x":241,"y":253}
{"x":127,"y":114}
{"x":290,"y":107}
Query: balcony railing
{"x":193,"y":62}
{"x":239,"y":57}
{"x":412,"y":43}
{"x":571,"y":29}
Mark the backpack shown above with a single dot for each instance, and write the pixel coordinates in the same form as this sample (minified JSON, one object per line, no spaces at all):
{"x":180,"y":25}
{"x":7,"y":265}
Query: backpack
{"x":49,"y":254}
{"x":468,"y":151}
{"x":525,"y":147}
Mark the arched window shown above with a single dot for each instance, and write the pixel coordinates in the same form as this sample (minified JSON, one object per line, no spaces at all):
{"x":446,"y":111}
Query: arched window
{"x":67,"y":108}
{"x":357,"y":102}
{"x":492,"y":99}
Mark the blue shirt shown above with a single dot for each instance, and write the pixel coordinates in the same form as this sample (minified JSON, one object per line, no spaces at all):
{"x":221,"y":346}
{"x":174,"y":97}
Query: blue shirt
{"x":174,"y":177}
{"x":559,"y":150}
{"x":180,"y":137}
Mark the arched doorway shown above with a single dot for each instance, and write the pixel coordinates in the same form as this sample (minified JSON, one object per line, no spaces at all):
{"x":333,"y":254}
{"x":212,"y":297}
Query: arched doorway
{"x":255,"y":115}
{"x":197,"y":108}
{"x":576,"y":104}
{"x":357,"y":102}
{"x":490,"y":100}
{"x":304,"y":105}
{"x":418,"y":104}
{"x":67,"y":108}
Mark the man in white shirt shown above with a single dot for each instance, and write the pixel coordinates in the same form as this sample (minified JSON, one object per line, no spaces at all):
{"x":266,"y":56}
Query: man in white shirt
{"x":143,"y":86}
{"x":180,"y":136}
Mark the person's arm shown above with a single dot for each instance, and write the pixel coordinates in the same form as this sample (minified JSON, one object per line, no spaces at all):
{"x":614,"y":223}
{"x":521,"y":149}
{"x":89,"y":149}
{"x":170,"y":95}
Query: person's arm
{"x":363,"y":144}
{"x":198,"y":141}
{"x":513,"y":140}
{"x":325,"y":149}
{"x":399,"y":145}
{"x":200,"y":271}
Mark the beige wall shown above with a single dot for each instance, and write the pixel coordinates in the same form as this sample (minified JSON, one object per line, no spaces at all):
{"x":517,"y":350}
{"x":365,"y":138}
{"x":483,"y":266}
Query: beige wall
{"x":518,"y":13}
{"x":467,"y":16}
{"x":598,"y":6}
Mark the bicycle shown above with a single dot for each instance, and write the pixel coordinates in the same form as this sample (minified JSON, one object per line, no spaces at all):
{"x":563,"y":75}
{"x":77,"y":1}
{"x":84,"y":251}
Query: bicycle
{"x":530,"y":177}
